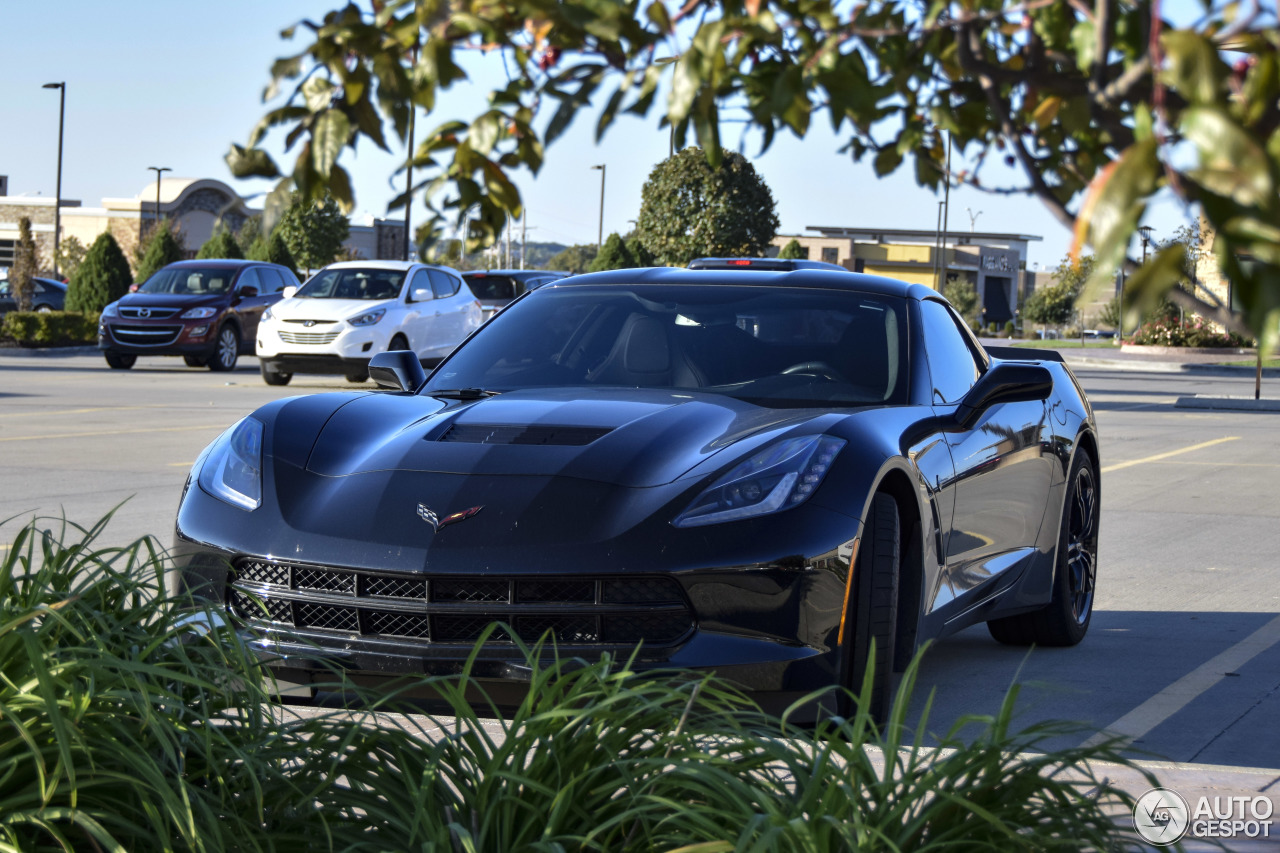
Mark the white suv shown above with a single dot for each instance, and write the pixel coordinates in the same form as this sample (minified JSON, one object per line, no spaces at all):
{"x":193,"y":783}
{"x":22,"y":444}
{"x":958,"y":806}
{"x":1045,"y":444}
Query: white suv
{"x":350,"y":311}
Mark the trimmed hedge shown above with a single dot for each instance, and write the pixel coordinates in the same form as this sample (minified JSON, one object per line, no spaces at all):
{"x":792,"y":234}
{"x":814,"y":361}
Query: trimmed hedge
{"x":50,"y":328}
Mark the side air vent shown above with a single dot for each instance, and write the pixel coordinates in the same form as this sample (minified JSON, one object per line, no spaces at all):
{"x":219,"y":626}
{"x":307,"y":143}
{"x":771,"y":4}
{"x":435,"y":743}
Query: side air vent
{"x":564,"y":436}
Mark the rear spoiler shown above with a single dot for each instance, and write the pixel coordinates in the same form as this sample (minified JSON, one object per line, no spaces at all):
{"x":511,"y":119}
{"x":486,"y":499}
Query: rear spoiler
{"x":1021,"y":354}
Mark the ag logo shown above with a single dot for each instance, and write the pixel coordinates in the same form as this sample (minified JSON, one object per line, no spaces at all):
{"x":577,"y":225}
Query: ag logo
{"x":1161,"y":816}
{"x":428,"y":515}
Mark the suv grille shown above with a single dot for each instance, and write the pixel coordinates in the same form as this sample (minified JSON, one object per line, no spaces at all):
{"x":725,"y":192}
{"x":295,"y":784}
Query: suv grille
{"x":452,"y":609}
{"x":292,"y":337}
{"x":145,"y":336}
{"x":148,"y":313}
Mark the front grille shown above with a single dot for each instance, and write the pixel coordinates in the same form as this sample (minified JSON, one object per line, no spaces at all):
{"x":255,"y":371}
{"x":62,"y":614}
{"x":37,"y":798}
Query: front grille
{"x":291,"y":337}
{"x":452,"y":609}
{"x":148,"y":313}
{"x":145,"y":336}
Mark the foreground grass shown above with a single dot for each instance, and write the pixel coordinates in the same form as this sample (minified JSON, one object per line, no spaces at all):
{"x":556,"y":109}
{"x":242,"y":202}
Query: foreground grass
{"x":121,"y":728}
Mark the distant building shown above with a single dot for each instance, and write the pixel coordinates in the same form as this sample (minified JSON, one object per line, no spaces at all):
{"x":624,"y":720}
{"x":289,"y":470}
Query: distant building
{"x":195,"y":205}
{"x":993,"y":263}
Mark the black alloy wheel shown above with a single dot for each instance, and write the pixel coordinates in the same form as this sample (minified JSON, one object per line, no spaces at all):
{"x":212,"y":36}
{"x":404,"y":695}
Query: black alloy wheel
{"x":119,"y":360}
{"x":225,"y":350}
{"x":1065,"y":620}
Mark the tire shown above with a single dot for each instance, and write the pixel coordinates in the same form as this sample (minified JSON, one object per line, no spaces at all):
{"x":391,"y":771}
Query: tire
{"x":43,"y":309}
{"x":1065,"y":619}
{"x":195,"y":360}
{"x":274,"y":376}
{"x":397,"y":343}
{"x":873,"y":605}
{"x":357,"y":375}
{"x":119,"y":360}
{"x":226,"y":350}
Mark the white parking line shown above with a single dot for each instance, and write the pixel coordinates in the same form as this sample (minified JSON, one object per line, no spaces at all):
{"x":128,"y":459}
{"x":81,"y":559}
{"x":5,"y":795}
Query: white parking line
{"x":1178,"y":695}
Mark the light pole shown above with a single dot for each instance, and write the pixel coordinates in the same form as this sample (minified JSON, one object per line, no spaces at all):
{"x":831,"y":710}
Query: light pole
{"x":973,"y":218}
{"x":600,"y":229}
{"x":158,"y":170}
{"x":57,"y":208}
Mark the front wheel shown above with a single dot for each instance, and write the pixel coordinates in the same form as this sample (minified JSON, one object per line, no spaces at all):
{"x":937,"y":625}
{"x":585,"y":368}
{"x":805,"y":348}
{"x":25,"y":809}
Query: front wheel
{"x":1065,"y":620}
{"x":119,"y":360}
{"x":226,"y":350}
{"x":872,"y":609}
{"x":273,"y":375}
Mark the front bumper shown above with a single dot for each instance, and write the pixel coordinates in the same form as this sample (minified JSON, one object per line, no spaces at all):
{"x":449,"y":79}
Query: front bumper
{"x":177,"y":337}
{"x":283,"y":340}
{"x":756,"y":614}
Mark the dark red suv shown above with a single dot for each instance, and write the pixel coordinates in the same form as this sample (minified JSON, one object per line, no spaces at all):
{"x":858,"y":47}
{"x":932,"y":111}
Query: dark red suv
{"x":205,"y":311}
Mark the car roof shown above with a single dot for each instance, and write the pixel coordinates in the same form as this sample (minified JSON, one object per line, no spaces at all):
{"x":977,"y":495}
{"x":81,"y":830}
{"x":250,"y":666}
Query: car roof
{"x":516,"y":273}
{"x":230,"y":263}
{"x":384,"y":265}
{"x":757,"y":264}
{"x":52,"y":281}
{"x":814,"y":278}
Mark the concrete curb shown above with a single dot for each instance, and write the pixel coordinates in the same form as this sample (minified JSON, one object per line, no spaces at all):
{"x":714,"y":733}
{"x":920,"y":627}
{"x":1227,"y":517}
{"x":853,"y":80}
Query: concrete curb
{"x":1237,"y":404}
{"x":47,"y":352}
{"x":1171,"y":367}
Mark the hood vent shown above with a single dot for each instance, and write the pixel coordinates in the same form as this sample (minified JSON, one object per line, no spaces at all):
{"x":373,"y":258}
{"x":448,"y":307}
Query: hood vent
{"x":563,"y":436}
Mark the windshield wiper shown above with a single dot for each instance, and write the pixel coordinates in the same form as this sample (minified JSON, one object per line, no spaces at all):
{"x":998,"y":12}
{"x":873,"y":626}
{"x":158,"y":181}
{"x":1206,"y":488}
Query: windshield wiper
{"x":464,"y":393}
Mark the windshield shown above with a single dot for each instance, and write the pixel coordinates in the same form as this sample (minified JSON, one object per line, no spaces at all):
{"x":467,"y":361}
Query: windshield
{"x":772,"y":346}
{"x":353,"y":283}
{"x":190,"y":281}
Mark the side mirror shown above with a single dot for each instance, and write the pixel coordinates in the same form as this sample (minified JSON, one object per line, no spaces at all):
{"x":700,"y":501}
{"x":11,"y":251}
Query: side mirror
{"x":1005,"y":382}
{"x":421,"y":294}
{"x":289,"y":291}
{"x":248,"y":291}
{"x":399,"y":370}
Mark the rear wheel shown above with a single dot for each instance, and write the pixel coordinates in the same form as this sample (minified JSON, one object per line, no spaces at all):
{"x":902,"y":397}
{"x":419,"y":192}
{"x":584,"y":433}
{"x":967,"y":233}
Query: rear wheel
{"x":873,"y":605}
{"x":119,"y":360}
{"x":226,"y":350}
{"x":195,"y":360}
{"x":357,"y":375}
{"x":1065,"y":620}
{"x":273,"y":375}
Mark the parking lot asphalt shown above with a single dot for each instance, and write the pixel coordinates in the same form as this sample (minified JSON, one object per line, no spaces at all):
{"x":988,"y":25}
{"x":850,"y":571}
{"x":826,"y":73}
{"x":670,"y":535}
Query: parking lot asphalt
{"x":1183,"y":657}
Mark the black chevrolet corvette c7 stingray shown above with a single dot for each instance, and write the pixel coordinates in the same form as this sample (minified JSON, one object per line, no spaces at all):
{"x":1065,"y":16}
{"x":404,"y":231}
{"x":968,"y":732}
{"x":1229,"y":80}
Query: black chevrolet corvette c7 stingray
{"x":756,"y":473}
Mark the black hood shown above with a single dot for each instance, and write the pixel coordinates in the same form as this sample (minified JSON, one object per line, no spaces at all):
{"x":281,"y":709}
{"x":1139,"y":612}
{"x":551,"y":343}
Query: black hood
{"x":631,"y":438}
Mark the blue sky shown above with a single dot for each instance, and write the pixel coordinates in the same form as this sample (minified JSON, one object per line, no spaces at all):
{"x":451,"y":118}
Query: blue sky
{"x":153,"y":83}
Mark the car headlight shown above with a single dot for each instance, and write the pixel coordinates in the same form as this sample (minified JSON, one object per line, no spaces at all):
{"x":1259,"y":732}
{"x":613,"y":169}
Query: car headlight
{"x":198,"y":314}
{"x":266,"y":314}
{"x":778,"y":477}
{"x":369,"y":318}
{"x":231,"y":469}
{"x":110,"y":311}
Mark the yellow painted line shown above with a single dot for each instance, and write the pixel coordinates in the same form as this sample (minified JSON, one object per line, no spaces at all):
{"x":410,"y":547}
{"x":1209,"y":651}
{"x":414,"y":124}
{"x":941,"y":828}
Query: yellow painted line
{"x":1159,"y":456}
{"x":189,"y":464}
{"x":81,"y":411}
{"x":1178,"y":695}
{"x":1222,"y":464}
{"x":107,"y":432}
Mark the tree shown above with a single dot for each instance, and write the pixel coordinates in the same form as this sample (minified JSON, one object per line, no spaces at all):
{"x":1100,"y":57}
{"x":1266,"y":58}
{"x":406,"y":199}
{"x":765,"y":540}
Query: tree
{"x":643,"y":257}
{"x":963,"y":297}
{"x":574,"y":259}
{"x":220,"y":245}
{"x":1053,"y":305}
{"x":314,"y":230}
{"x":273,"y":250}
{"x":25,"y":265}
{"x":162,"y":249}
{"x":793,"y":251}
{"x":102,"y":279}
{"x":688,"y":209}
{"x":1098,"y":106}
{"x":1075,"y":273}
{"x":250,"y":230}
{"x":70,"y":255}
{"x":614,"y":255}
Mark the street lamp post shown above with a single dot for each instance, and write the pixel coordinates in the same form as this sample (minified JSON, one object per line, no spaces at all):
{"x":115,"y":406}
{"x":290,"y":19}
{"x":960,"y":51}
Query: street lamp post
{"x":158,"y":170}
{"x":57,"y":208}
{"x":600,"y":228}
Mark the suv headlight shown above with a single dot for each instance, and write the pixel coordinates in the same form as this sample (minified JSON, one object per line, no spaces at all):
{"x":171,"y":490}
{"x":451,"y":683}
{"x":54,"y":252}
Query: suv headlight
{"x":266,"y":314}
{"x":368,"y":318}
{"x":110,"y":310}
{"x":198,"y":314}
{"x":231,"y":468}
{"x":780,"y":476}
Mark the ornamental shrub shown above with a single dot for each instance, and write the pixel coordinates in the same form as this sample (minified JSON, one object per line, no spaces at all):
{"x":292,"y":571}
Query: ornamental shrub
{"x":220,"y":245}
{"x":49,"y":328}
{"x":1193,"y":332}
{"x":103,"y":277}
{"x":793,"y":251}
{"x":613,"y":256}
{"x":162,"y":250}
{"x":273,"y":250}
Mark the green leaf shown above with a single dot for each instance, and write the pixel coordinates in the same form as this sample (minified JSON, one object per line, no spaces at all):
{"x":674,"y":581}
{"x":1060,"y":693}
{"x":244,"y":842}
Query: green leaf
{"x":340,"y":188}
{"x":318,"y":93}
{"x":888,"y":159}
{"x":1231,"y":163}
{"x":330,"y":136}
{"x":1144,"y":290}
{"x":1193,"y":66}
{"x":685,"y":84}
{"x":485,"y":131}
{"x":251,"y":163}
{"x":1084,"y":40}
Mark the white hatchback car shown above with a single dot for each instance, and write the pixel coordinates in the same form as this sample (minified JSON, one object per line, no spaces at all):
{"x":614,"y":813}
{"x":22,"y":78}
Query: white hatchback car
{"x":350,"y":311}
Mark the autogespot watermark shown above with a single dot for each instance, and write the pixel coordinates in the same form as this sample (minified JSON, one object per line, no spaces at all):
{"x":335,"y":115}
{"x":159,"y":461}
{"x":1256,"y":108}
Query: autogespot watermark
{"x":1163,"y":817}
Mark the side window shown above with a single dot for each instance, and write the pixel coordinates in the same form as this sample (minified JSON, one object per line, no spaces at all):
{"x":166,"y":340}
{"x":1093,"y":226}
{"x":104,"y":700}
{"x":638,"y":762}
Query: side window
{"x":272,"y":281}
{"x":951,"y":362}
{"x":250,"y":278}
{"x":443,"y":284}
{"x":420,"y":287}
{"x":36,"y":287}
